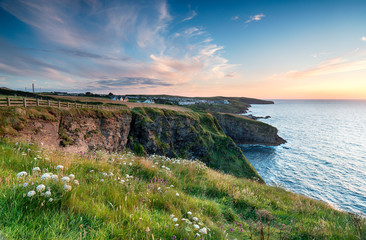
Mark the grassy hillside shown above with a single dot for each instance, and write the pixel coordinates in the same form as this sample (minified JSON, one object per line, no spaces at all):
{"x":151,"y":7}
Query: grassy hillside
{"x":199,"y":134}
{"x":121,"y":196}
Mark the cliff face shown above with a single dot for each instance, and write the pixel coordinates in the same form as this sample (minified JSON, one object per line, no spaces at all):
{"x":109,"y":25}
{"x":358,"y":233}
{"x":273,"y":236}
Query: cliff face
{"x":244,"y":130}
{"x":143,"y":130}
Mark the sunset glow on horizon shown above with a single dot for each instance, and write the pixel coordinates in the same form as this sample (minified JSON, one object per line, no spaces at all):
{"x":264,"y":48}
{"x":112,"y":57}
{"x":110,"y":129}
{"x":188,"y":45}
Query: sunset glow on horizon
{"x":261,"y":49}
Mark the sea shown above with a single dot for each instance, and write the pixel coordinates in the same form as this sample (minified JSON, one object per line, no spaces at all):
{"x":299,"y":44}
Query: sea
{"x":325,"y":154}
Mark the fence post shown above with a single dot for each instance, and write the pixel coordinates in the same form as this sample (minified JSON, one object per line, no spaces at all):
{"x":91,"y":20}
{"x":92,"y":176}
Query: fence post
{"x":24,"y":102}
{"x":8,"y":98}
{"x":59,"y":104}
{"x":49,"y":103}
{"x":68,"y":105}
{"x":37,"y":102}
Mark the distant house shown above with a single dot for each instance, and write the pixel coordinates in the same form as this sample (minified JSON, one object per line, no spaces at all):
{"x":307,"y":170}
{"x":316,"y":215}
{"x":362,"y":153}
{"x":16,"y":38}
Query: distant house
{"x":119,"y":98}
{"x":186,"y":103}
{"x":149,"y":101}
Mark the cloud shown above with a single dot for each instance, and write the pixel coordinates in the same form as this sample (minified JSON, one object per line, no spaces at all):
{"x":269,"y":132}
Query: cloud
{"x":331,"y":66}
{"x":257,"y":17}
{"x":363,"y":38}
{"x":110,"y":44}
{"x":235,"y":18}
{"x":107,"y":83}
{"x":192,"y":15}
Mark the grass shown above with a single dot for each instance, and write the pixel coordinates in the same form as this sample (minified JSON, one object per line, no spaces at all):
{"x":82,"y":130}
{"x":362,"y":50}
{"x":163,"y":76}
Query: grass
{"x":123,"y":196}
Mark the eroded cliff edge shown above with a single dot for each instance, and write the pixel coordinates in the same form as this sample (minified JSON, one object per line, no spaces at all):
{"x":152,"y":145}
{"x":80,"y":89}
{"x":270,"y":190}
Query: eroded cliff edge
{"x":143,"y":130}
{"x":244,"y":130}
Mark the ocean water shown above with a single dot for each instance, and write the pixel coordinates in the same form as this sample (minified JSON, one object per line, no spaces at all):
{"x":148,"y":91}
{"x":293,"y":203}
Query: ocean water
{"x":325,"y":154}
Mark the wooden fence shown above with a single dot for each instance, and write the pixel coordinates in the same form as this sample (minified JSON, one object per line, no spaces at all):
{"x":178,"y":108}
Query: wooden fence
{"x":37,"y":102}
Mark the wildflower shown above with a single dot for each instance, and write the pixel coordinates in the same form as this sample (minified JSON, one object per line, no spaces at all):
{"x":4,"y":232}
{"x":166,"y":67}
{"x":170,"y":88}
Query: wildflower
{"x":110,"y":174}
{"x":40,"y":188}
{"x":122,"y":181}
{"x":189,"y":213}
{"x":59,"y":167}
{"x":102,"y":180}
{"x":174,"y":237}
{"x":177,"y":194}
{"x":175,"y":219}
{"x":203,"y":230}
{"x":195,"y":219}
{"x":54,"y":177}
{"x":72,"y":177}
{"x":91,"y":171}
{"x":176,"y":225}
{"x":50,"y":200}
{"x":45,"y":176}
{"x":76,"y":182}
{"x":197,"y":235}
{"x":196,"y":226}
{"x":25,"y":184}
{"x":171,"y":216}
{"x":65,"y":179}
{"x":67,"y":187}
{"x":231,"y":230}
{"x":31,"y":193}
{"x":36,"y":169}
{"x":22,"y":174}
{"x":171,"y":185}
{"x":47,"y":194}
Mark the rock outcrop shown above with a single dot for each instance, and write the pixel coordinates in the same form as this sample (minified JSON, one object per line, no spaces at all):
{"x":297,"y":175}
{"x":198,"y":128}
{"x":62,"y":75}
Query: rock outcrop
{"x":143,"y":130}
{"x":244,"y":130}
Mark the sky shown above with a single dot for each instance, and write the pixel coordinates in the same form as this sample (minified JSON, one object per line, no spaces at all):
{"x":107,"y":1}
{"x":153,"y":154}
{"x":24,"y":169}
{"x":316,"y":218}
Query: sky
{"x":310,"y":49}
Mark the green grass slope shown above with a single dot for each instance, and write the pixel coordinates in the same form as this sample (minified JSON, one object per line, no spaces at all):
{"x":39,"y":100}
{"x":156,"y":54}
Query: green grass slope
{"x":122,"y":196}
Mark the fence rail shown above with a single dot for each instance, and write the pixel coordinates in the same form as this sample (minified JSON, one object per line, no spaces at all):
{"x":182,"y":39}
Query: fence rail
{"x":37,"y":102}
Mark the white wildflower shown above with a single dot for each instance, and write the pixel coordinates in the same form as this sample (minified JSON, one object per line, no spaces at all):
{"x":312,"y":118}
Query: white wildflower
{"x":50,"y":200}
{"x":195,"y":219}
{"x":59,"y":167}
{"x":175,"y":219}
{"x":196,"y":226}
{"x":177,"y":194}
{"x":25,"y":184}
{"x":122,"y":181}
{"x":171,"y":216}
{"x":67,"y":187}
{"x":47,"y":194}
{"x":65,"y":179}
{"x":189,"y":213}
{"x":36,"y":169}
{"x":203,"y":230}
{"x":72,"y":177}
{"x":76,"y":182}
{"x":54,"y":177}
{"x":40,"y":188}
{"x":45,"y":176}
{"x":176,"y":225}
{"x":22,"y":174}
{"x":31,"y":193}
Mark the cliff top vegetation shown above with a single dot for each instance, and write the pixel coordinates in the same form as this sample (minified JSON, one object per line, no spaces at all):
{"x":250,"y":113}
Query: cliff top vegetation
{"x":56,"y":195}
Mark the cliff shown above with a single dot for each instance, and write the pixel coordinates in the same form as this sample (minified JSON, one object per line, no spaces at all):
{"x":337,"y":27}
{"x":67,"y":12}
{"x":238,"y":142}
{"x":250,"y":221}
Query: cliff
{"x":143,"y":130}
{"x":244,"y":130}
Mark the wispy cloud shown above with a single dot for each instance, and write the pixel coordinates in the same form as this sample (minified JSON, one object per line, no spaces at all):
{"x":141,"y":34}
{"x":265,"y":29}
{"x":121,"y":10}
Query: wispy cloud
{"x":331,"y":66}
{"x":192,"y":15}
{"x":257,"y":17}
{"x":363,"y":38}
{"x":111,"y":84}
{"x":111,"y":44}
{"x":235,"y":18}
